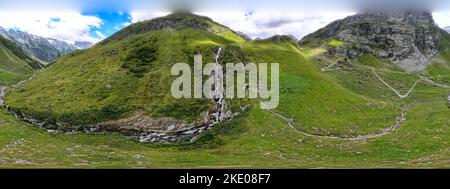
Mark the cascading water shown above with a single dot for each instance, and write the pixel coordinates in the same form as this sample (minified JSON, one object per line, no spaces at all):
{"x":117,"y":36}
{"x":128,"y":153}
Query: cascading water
{"x":215,"y":118}
{"x":448,"y":98}
{"x":2,"y":93}
{"x":220,"y":114}
{"x":219,"y":93}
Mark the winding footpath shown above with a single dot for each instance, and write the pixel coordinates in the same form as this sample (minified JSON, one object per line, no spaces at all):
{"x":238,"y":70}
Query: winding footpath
{"x":434,"y":83}
{"x":395,"y":90}
{"x":3,"y":88}
{"x":398,"y":122}
{"x":329,"y":67}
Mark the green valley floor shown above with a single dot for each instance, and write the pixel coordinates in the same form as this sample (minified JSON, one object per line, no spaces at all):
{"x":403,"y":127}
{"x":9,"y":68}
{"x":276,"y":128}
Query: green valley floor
{"x":264,"y":141}
{"x":363,"y":113}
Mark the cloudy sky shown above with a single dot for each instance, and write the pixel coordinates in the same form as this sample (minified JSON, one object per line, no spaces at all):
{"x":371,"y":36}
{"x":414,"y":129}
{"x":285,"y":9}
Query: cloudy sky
{"x":93,"y":20}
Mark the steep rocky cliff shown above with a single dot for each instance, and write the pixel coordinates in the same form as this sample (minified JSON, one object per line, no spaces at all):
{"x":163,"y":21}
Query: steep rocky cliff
{"x":409,"y":39}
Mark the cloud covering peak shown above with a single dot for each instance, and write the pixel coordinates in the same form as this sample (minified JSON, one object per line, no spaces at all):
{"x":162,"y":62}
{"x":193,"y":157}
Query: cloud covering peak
{"x":94,"y":20}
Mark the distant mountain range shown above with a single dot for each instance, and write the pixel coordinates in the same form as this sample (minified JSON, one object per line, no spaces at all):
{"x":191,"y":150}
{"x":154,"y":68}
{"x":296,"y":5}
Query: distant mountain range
{"x":44,"y":49}
{"x":447,"y":29}
{"x":15,"y":64}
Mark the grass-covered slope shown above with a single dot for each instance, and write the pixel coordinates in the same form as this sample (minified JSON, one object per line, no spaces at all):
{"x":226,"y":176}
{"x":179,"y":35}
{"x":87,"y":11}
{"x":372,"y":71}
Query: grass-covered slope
{"x":439,"y":70}
{"x":363,"y":72}
{"x":258,"y":139}
{"x":122,"y":75}
{"x":15,"y":65}
{"x":321,"y":108}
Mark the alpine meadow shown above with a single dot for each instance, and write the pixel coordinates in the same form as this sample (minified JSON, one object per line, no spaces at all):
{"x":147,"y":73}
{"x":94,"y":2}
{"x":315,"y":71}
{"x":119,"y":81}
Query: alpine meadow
{"x":371,"y":90}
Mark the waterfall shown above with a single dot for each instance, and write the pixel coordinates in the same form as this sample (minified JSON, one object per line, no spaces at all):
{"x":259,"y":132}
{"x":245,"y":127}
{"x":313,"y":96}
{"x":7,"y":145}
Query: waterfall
{"x":448,"y":98}
{"x":2,"y":93}
{"x":220,"y":105}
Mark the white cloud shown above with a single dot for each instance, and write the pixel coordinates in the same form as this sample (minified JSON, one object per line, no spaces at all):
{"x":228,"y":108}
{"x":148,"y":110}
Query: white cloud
{"x":141,"y":16}
{"x":264,"y":24}
{"x":442,"y":19}
{"x":100,"y":35}
{"x":66,"y":26}
{"x":123,"y":25}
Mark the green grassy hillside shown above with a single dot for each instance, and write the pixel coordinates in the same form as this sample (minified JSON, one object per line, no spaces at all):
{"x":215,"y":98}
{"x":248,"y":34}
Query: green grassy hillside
{"x":74,"y":89}
{"x":341,"y":116}
{"x":259,"y":140}
{"x":15,"y":65}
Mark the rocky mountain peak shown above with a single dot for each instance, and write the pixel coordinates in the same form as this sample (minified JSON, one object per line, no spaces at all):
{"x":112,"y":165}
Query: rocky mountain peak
{"x":410,"y":17}
{"x":44,"y":49}
{"x":174,"y":21}
{"x":409,"y":39}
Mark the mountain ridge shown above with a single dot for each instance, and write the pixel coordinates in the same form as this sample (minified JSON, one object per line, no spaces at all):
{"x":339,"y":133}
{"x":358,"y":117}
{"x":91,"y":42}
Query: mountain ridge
{"x":124,"y":82}
{"x":15,"y":64}
{"x":174,"y":21}
{"x":409,"y":39}
{"x":44,"y":49}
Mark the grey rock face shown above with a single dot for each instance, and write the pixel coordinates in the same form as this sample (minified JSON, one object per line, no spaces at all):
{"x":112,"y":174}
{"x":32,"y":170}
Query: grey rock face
{"x":409,"y":39}
{"x":45,"y":49}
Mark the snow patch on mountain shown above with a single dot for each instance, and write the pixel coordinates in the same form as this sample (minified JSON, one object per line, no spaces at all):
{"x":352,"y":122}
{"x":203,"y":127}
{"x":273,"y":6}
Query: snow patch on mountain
{"x":44,"y":49}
